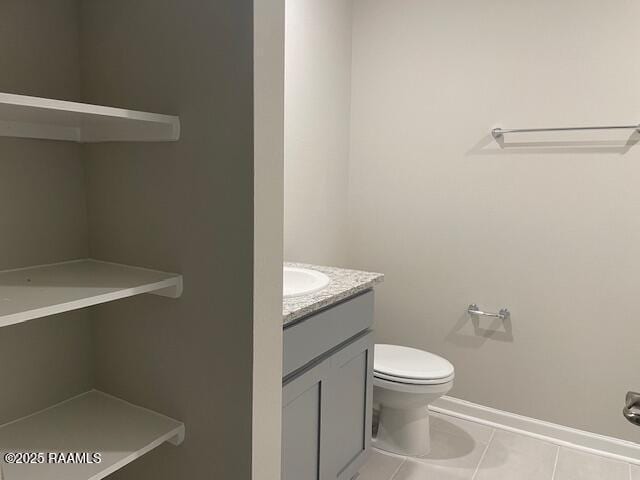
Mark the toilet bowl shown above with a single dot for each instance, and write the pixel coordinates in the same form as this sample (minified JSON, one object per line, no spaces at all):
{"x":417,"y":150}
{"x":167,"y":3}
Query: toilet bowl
{"x":405,"y":381}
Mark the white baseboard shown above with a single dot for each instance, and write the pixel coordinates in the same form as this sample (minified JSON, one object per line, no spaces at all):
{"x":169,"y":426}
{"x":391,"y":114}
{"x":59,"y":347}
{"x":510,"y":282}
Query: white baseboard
{"x":550,"y":432}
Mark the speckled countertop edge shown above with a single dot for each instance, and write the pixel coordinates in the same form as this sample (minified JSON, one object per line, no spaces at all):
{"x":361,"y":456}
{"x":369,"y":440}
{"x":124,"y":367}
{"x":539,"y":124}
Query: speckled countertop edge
{"x":345,"y":283}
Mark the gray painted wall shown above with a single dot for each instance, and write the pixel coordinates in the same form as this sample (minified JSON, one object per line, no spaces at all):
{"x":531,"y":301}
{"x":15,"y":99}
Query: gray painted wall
{"x":317,"y":116}
{"x":550,"y":231}
{"x":185,"y":207}
{"x":42,"y":207}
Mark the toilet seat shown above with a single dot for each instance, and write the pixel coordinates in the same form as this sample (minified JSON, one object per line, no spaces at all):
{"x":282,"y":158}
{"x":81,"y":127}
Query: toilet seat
{"x":410,"y":366}
{"x":413,"y":381}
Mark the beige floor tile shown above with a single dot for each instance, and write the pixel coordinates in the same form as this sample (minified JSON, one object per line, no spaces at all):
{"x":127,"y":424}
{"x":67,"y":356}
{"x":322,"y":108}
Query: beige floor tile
{"x":576,"y":465}
{"x":511,"y":456}
{"x":414,"y":470}
{"x":458,"y":446}
{"x":455,"y":454}
{"x":380,"y":466}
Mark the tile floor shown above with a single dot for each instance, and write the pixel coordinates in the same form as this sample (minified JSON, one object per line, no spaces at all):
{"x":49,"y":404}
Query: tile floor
{"x":462,"y":450}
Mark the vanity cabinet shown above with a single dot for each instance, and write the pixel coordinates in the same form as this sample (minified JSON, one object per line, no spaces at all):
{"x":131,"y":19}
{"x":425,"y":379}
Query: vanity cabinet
{"x":327,"y":400}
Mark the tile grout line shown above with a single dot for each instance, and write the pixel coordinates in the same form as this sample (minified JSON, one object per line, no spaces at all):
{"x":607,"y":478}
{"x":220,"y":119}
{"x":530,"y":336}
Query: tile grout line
{"x":393,"y":475}
{"x":484,"y":453}
{"x":555,"y":464}
{"x":630,"y":473}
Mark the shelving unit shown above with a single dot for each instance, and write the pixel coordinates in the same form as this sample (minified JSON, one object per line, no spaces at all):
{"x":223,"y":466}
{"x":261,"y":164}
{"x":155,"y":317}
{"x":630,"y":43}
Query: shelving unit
{"x":34,"y":117}
{"x":49,"y":190}
{"x":35,"y":292}
{"x":93,"y":422}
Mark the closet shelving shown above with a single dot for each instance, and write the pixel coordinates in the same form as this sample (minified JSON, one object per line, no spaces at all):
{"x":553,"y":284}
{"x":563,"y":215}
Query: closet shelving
{"x":35,"y":292}
{"x":94,"y":421}
{"x":49,"y":119}
{"x":90,"y":423}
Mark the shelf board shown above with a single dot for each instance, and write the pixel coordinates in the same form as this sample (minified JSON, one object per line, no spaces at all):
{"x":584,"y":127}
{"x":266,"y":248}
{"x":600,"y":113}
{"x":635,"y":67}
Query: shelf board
{"x":34,"y":292}
{"x":44,"y":118}
{"x":93,"y":422}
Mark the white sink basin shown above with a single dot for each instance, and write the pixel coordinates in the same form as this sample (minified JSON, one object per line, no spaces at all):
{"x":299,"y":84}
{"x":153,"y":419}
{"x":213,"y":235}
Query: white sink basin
{"x":302,"y":281}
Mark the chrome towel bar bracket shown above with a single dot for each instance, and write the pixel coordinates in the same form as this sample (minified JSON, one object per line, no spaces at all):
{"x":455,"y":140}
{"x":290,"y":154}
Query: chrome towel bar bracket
{"x":474,"y":311}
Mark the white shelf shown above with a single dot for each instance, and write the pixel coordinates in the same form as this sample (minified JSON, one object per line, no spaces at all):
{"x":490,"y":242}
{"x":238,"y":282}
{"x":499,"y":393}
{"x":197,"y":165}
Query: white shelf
{"x":93,"y":422}
{"x":44,"y":118}
{"x":45,"y":290}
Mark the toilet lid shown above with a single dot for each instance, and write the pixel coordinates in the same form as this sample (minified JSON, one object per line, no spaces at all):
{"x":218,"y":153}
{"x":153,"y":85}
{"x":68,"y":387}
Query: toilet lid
{"x":408,"y":363}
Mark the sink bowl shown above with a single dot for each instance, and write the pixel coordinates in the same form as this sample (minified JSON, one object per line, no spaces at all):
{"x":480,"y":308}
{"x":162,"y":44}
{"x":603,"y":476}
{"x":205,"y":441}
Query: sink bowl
{"x":303,"y":281}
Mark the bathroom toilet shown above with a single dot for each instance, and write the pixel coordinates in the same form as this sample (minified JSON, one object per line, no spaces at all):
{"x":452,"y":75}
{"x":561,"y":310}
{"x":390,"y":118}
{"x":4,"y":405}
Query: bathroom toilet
{"x":406,"y":381}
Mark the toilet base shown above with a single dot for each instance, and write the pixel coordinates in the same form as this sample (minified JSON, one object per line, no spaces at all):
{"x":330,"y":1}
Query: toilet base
{"x":404,"y":431}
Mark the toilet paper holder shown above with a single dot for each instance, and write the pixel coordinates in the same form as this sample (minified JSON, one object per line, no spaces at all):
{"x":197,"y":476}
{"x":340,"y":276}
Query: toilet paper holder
{"x":474,"y":311}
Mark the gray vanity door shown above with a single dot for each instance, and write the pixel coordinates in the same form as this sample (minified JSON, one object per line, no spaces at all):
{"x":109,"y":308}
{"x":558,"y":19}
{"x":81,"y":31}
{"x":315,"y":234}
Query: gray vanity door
{"x":303,"y":401}
{"x":348,"y":413}
{"x":326,"y":416}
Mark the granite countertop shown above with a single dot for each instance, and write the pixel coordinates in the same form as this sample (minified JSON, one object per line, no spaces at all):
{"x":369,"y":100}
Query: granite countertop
{"x":344,"y":284}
